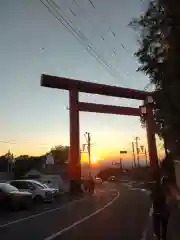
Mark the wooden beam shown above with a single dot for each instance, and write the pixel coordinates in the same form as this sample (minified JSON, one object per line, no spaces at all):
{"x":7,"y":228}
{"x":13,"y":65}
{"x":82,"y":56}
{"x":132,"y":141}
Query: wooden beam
{"x":108,"y":109}
{"x":92,"y":88}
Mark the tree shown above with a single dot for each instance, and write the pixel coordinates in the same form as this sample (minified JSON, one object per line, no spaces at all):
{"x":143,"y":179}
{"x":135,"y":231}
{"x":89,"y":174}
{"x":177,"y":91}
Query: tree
{"x":24,"y":163}
{"x":60,"y":154}
{"x":3,"y":164}
{"x":159,"y":58}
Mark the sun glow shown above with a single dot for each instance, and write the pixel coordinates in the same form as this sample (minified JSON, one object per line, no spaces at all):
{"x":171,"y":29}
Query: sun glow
{"x":94,"y":160}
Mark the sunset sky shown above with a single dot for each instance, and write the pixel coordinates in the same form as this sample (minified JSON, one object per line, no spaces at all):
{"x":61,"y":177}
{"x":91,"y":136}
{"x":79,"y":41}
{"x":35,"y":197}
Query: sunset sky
{"x":33,"y":119}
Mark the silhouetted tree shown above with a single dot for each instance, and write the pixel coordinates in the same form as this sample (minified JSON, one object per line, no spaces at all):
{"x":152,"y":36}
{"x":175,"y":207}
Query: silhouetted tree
{"x":60,"y":154}
{"x":24,"y":163}
{"x":159,"y":57}
{"x":3,"y":164}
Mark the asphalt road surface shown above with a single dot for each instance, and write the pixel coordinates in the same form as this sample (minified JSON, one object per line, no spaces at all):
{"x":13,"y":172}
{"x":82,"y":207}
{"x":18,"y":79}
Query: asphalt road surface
{"x":113,"y":212}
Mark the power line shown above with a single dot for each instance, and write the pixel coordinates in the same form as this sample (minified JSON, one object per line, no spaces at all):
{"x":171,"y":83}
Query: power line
{"x":92,"y":4}
{"x":72,"y":12}
{"x":51,"y":6}
{"x":98,"y":30}
{"x":82,"y":39}
{"x":81,"y":35}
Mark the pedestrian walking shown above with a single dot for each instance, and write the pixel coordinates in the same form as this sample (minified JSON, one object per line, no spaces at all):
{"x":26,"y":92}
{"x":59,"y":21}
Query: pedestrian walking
{"x":161,"y":212}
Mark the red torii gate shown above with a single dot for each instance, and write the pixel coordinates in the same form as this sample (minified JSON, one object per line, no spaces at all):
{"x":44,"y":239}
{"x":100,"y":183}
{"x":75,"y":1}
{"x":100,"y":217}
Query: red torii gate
{"x":76,"y":86}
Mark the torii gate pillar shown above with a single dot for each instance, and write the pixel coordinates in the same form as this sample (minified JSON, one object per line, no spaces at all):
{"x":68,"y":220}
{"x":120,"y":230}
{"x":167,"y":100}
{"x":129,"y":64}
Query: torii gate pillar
{"x":74,"y":165}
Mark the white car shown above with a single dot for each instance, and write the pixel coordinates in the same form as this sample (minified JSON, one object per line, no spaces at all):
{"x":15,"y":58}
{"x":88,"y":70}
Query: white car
{"x":40,"y":193}
{"x":55,"y":191}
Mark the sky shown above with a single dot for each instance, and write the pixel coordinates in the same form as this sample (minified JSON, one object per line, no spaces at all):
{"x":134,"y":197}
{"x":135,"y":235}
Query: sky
{"x":33,"y":42}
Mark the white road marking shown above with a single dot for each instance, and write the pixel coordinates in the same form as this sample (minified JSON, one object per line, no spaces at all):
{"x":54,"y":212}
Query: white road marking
{"x":144,"y":235}
{"x":113,"y":190}
{"x":113,"y":194}
{"x":41,"y":213}
{"x":53,"y":236}
{"x":101,"y":191}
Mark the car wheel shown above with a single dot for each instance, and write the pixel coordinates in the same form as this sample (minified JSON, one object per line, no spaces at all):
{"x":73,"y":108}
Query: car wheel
{"x":38,"y":199}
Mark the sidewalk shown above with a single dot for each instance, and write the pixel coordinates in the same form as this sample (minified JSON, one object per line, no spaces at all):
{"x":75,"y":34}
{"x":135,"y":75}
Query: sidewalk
{"x":174,"y":224}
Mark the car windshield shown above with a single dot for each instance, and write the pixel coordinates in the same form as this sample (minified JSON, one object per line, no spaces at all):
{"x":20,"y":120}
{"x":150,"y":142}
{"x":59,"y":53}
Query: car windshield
{"x":8,"y":188}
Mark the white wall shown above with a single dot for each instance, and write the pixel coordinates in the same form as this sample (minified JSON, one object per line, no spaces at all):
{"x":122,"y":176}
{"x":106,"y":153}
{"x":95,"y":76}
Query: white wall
{"x":56,"y":181}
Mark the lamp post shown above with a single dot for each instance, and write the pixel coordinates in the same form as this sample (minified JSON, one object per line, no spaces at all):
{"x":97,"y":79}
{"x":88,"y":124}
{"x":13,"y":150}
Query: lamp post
{"x":143,"y":150}
{"x":134,"y":157}
{"x":137,"y":149}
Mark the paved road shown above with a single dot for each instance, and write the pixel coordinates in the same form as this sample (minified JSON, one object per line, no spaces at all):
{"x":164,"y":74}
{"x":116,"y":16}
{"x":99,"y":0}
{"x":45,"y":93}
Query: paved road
{"x":114,"y":212}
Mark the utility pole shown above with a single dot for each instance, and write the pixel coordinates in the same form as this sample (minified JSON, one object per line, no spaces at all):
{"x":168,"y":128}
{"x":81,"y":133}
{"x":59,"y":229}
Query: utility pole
{"x":134,"y":157}
{"x":137,"y":150}
{"x":121,"y":166}
{"x":88,"y":140}
{"x":120,"y":160}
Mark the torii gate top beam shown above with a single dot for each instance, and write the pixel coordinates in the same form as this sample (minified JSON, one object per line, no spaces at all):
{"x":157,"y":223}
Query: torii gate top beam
{"x":93,"y":88}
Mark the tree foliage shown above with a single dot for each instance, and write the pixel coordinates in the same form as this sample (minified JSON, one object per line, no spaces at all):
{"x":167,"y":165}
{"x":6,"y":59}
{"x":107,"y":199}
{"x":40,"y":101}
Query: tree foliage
{"x":3,"y":163}
{"x":60,"y":154}
{"x":159,"y":58}
{"x":24,"y":163}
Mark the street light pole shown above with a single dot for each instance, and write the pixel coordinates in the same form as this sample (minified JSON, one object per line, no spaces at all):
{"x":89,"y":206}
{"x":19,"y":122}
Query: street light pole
{"x":137,"y":150}
{"x":121,"y":166}
{"x":134,"y":157}
{"x":89,"y":148}
{"x":145,"y":152}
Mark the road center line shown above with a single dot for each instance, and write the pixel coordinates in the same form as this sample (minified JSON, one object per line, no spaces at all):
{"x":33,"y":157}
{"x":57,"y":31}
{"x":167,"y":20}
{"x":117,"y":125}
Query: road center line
{"x":41,"y":213}
{"x":53,"y":236}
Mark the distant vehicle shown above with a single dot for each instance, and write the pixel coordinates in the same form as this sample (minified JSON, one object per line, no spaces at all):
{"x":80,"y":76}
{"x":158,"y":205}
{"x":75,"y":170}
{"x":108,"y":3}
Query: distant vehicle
{"x":12,"y":198}
{"x":40,"y":193}
{"x":98,"y":180}
{"x":112,"y":179}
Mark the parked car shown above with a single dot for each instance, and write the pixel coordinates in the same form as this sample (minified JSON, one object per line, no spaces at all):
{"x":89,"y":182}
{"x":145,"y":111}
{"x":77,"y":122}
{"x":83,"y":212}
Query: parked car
{"x":12,"y":198}
{"x":39,"y":192}
{"x":55,"y":191}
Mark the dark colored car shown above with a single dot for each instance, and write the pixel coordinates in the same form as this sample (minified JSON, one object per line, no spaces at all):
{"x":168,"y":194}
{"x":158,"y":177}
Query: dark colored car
{"x":112,"y":179}
{"x":12,"y":198}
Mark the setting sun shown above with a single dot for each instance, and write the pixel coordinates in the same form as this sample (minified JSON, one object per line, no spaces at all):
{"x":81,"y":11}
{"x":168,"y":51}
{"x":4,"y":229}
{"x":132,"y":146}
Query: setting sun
{"x":94,"y":159}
